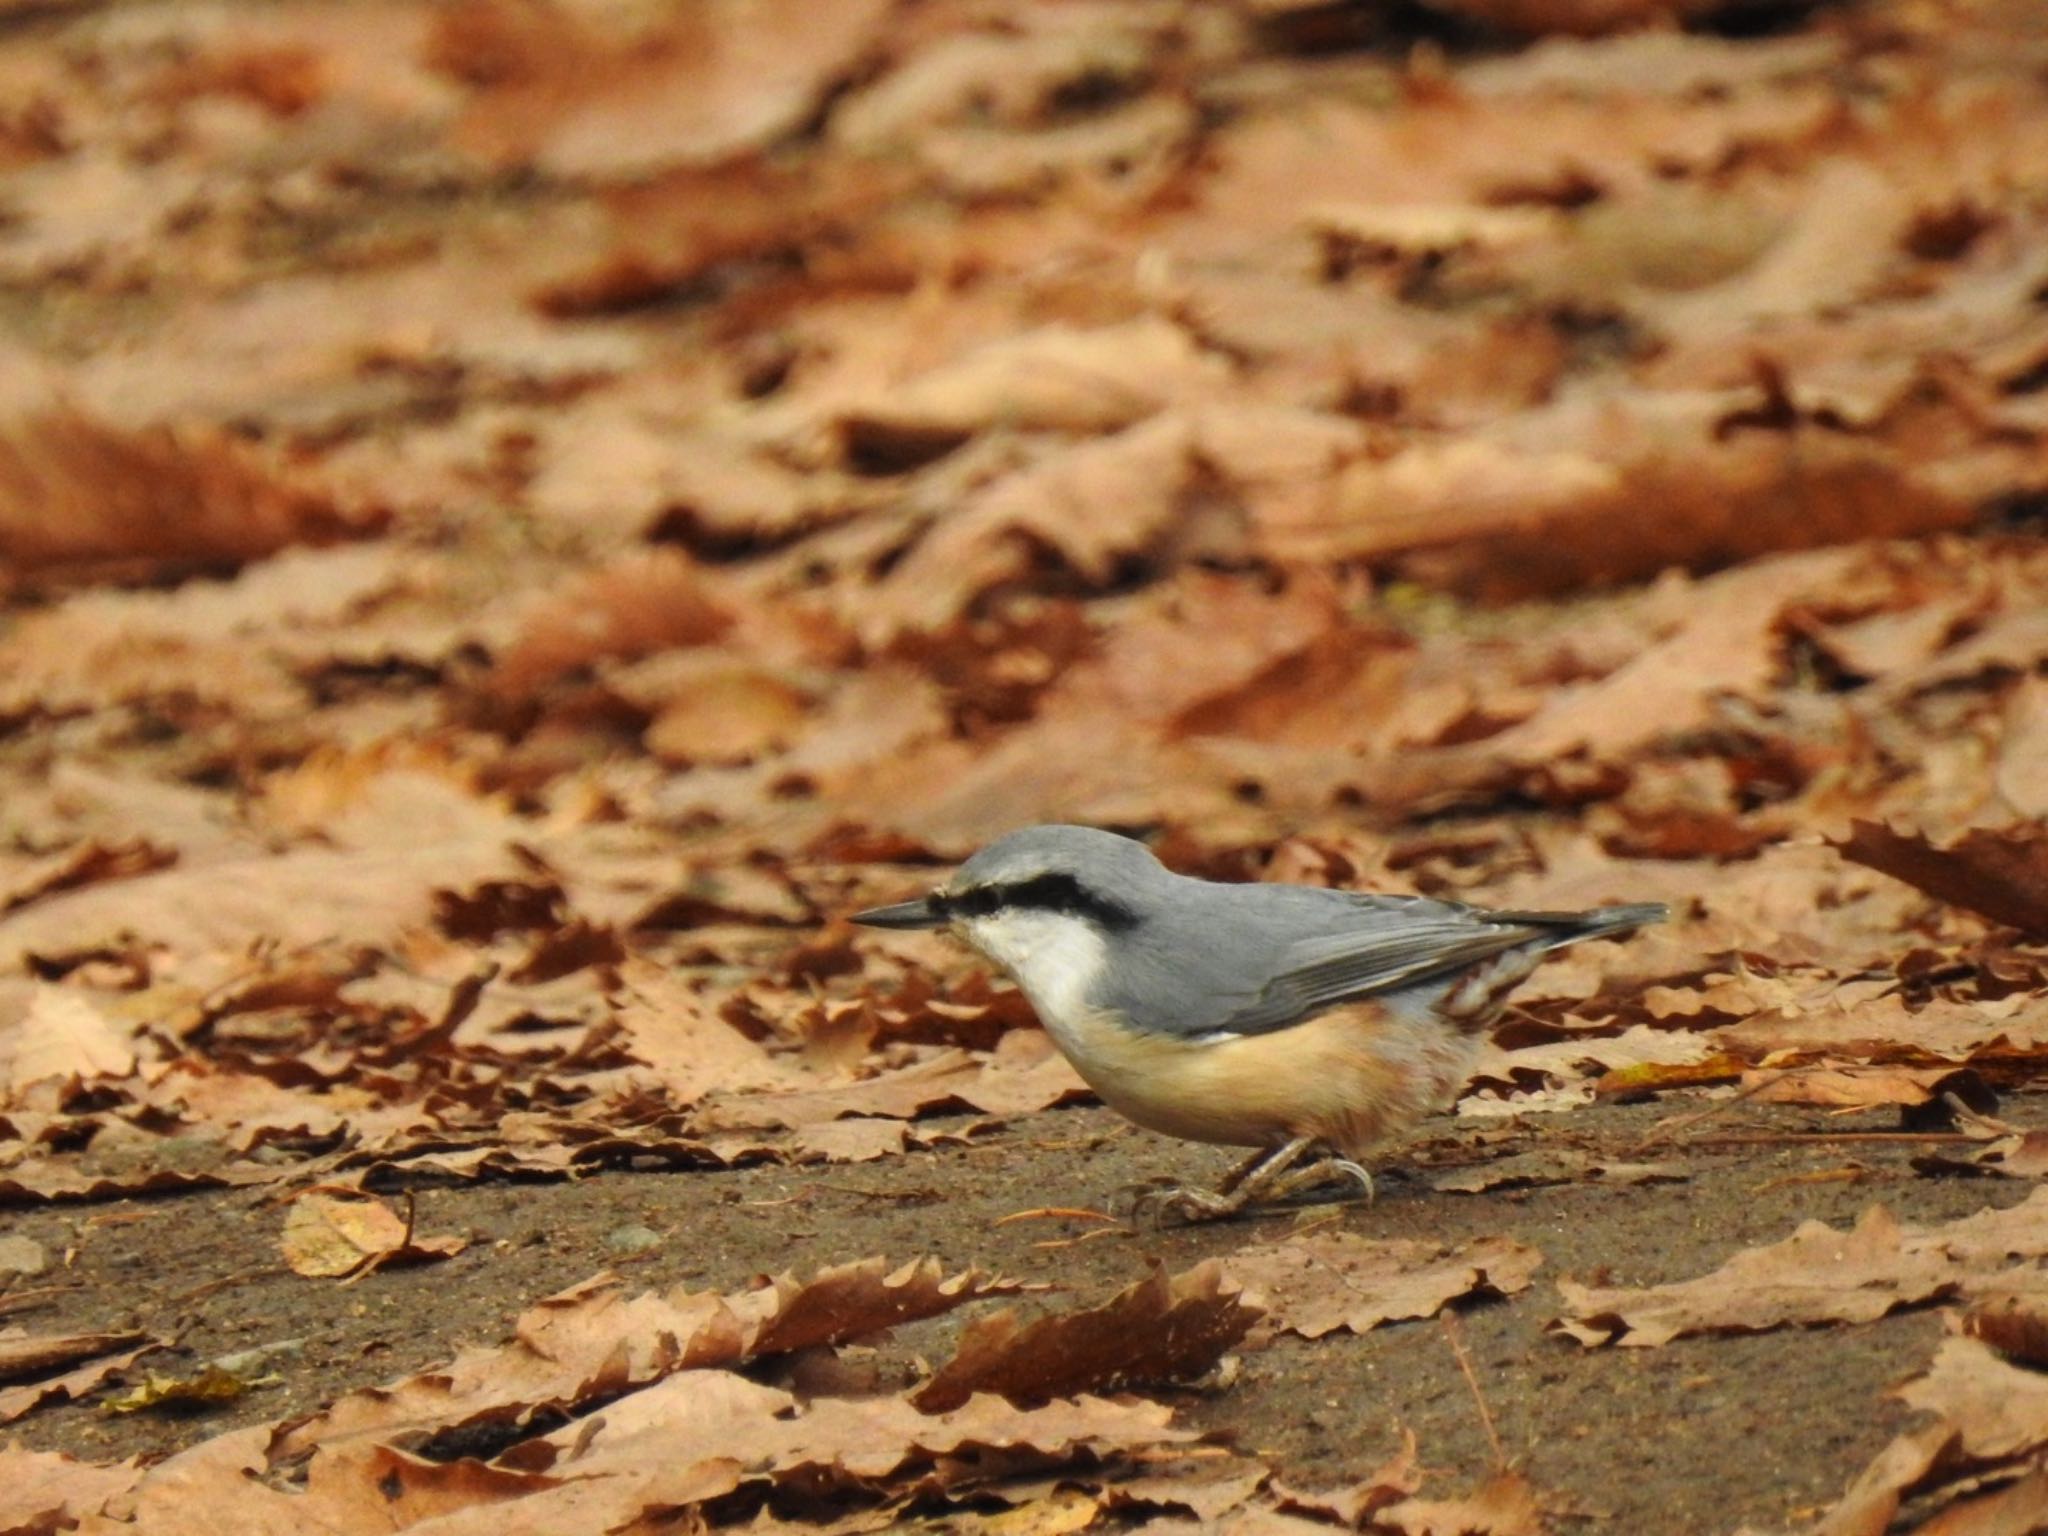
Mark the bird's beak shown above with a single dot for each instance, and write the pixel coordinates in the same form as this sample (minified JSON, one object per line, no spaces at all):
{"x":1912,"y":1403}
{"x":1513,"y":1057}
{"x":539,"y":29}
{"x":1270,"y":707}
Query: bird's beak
{"x":921,"y":913}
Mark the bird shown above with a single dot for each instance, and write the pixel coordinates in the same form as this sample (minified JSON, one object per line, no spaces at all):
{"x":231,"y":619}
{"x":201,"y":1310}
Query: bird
{"x":1309,"y":1024}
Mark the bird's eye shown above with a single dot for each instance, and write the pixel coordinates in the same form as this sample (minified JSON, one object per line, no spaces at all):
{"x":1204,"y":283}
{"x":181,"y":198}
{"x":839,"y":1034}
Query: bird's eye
{"x":978,"y":901}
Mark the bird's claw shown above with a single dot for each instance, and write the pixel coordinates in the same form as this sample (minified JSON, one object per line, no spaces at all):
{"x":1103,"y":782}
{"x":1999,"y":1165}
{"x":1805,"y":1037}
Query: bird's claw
{"x":1153,"y":1205}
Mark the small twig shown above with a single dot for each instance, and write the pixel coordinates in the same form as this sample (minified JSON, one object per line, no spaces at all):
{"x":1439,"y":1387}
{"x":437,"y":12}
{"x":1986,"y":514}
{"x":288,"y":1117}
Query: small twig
{"x":1090,"y":1234}
{"x":1829,"y":1138}
{"x":225,"y":1282}
{"x":1669,"y":1128}
{"x":1054,"y":1213}
{"x":1451,"y":1337}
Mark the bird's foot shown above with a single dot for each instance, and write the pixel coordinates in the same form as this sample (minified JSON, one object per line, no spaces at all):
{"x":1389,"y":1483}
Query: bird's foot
{"x":1269,"y":1175}
{"x":1153,"y":1205}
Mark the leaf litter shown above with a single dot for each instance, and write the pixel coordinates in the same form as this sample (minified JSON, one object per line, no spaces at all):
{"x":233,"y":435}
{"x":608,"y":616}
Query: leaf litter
{"x":524,"y":514}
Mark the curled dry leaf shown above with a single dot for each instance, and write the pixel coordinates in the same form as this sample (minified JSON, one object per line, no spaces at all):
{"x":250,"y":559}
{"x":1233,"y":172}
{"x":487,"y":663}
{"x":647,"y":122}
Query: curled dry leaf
{"x":83,"y":863}
{"x":641,"y":603}
{"x":63,"y":1038}
{"x":209,"y":1386}
{"x":710,"y":85}
{"x":1161,"y":1331}
{"x":78,"y":492}
{"x":1537,"y":1170}
{"x":26,"y":1354}
{"x":2022,"y":1155}
{"x":1992,"y":1419}
{"x":850,"y":1301}
{"x":1317,"y":1284}
{"x":699,"y":1435}
{"x":47,"y":1491}
{"x":73,"y":1384}
{"x":1820,"y":1275}
{"x":350,"y":1234}
{"x":591,"y":1342}
{"x":2014,"y":1325}
{"x":2002,"y":875}
{"x":1504,"y":1505}
{"x":306,"y":896}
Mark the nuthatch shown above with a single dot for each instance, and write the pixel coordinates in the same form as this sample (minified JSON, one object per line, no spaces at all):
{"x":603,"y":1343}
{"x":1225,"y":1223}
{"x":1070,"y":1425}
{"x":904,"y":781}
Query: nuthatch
{"x":1307,"y":1023}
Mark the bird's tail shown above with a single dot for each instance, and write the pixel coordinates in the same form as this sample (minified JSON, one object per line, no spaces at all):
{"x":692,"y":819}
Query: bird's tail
{"x":1475,"y":1000}
{"x":1605,"y":920}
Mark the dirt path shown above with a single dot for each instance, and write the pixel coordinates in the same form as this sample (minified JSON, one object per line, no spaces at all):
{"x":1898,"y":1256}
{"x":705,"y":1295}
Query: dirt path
{"x":1700,"y":1436}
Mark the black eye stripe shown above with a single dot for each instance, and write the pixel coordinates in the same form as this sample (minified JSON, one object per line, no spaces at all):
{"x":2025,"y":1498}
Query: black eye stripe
{"x":1041,"y":893}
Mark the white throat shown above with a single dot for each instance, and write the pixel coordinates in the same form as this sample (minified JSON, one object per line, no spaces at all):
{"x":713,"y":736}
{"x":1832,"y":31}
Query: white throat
{"x":1054,"y":956}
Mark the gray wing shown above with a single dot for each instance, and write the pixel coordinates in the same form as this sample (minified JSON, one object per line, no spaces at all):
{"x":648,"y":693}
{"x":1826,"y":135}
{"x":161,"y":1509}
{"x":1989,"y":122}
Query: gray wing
{"x":1389,"y":947}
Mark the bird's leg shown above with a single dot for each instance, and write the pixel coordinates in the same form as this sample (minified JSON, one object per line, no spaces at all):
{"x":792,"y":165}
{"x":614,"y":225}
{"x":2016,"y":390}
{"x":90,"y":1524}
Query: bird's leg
{"x":1258,"y":1160}
{"x":1244,"y":1185}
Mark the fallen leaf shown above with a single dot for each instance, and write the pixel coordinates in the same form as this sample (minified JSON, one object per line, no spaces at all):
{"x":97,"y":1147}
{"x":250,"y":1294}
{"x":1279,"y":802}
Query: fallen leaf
{"x":850,"y":1301}
{"x":328,"y":1235}
{"x":1163,"y":1330}
{"x":24,"y":1354}
{"x":211,"y":1385}
{"x":1538,"y":1170}
{"x":1817,"y":1275}
{"x":74,"y":1384}
{"x":1317,"y":1284}
{"x":75,"y":491}
{"x":1504,"y":1505}
{"x":2002,"y":875}
{"x":64,"y":1038}
{"x":50,"y":1491}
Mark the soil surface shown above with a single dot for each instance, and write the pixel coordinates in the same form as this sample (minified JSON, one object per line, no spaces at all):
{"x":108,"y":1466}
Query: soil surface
{"x":1701,"y":1435}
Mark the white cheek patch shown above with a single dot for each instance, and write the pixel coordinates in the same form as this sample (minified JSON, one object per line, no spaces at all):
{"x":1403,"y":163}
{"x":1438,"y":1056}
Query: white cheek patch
{"x":1055,"y":958}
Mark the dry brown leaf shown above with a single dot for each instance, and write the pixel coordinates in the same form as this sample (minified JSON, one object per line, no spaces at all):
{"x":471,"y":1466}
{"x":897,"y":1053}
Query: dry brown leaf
{"x":49,"y":1491}
{"x":689,"y":1048}
{"x":727,"y":715}
{"x":1094,"y":507}
{"x":850,"y":1141}
{"x":25,"y":1354}
{"x":641,"y":603}
{"x":700,"y":1434}
{"x":33,"y":1182}
{"x":63,"y":1038}
{"x":2003,"y":875}
{"x":583,"y":1343}
{"x":77,"y":492}
{"x":1016,"y":1079}
{"x":1990,"y":1411}
{"x":2023,"y":1155}
{"x":1504,"y":1505}
{"x":1350,"y":1505}
{"x":1161,"y":1331}
{"x":710,"y":85}
{"x":1817,"y":1275}
{"x":307,"y":896}
{"x":2014,"y":1325}
{"x":1537,"y":1170}
{"x":329,"y":1235}
{"x":1317,"y":1284}
{"x":1061,"y":378}
{"x":84,"y":863}
{"x":850,"y":1301}
{"x":76,"y":1383}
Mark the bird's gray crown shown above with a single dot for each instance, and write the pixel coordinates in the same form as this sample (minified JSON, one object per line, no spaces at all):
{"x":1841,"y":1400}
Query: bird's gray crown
{"x":1075,"y":870}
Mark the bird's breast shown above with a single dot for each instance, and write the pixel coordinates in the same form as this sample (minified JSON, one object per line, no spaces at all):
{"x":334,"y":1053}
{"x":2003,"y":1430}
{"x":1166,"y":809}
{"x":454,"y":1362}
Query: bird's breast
{"x":1351,"y":1077}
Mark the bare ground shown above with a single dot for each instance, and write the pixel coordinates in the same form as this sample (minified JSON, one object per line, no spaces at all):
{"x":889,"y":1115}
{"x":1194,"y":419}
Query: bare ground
{"x":1702,"y":1435}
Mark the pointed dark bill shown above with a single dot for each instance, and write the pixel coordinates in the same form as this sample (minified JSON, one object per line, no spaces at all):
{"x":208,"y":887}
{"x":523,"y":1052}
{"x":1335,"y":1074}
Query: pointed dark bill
{"x":922,"y":913}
